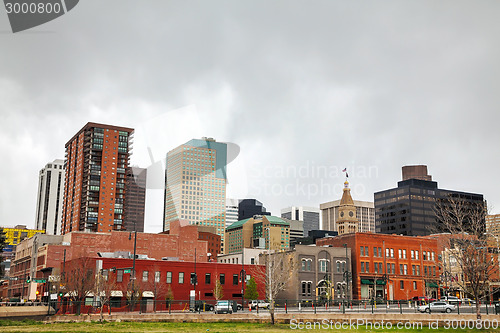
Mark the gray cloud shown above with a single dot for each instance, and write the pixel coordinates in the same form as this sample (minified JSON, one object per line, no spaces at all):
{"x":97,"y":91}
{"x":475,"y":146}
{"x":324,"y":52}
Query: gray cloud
{"x":329,"y":83}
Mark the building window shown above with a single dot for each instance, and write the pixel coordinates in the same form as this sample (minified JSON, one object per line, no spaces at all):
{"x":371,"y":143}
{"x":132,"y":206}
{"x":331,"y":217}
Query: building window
{"x":418,"y":269}
{"x":145,"y":275}
{"x":362,"y":251}
{"x":374,"y":251}
{"x":380,"y":252}
{"x":412,"y":254}
{"x":119,"y":275}
{"x":405,"y":268}
{"x":400,"y":254}
{"x":181,"y":277}
{"x":252,"y":261}
{"x":387,"y":253}
{"x":416,"y":255}
{"x":413,"y":270}
{"x":393,"y":268}
{"x":388,"y":268}
{"x":404,"y":254}
{"x":392,"y":253}
{"x":157,"y":277}
{"x":207,"y":278}
{"x":235,"y":279}
{"x":366,"y":251}
{"x":169,"y":277}
{"x":323,"y":266}
{"x":362,"y":267}
{"x":414,"y":285}
{"x":375,"y":268}
{"x":401,"y":284}
{"x":367,"y":266}
{"x":222,"y":279}
{"x":338,"y":266}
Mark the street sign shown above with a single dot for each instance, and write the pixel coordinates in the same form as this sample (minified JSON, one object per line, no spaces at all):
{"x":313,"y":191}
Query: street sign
{"x":126,"y":271}
{"x":54,"y":278}
{"x":13,"y":278}
{"x":39,"y":280}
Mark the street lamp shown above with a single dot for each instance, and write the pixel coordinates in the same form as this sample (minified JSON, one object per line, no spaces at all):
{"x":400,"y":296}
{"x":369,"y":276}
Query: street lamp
{"x":133,"y":264}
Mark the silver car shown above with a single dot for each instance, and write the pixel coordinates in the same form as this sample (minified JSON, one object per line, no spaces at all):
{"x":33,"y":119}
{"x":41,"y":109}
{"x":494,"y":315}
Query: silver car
{"x":223,"y":307}
{"x":438,"y":306}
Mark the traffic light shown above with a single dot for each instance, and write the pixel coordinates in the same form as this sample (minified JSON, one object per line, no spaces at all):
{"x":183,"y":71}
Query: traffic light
{"x":60,"y":294}
{"x":194,"y":279}
{"x":28,"y":279}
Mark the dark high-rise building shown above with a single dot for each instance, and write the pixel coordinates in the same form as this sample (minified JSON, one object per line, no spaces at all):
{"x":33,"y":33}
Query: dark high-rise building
{"x":247,"y":208}
{"x":96,"y":164}
{"x":308,"y":215}
{"x":409,"y":209}
{"x":135,"y":200}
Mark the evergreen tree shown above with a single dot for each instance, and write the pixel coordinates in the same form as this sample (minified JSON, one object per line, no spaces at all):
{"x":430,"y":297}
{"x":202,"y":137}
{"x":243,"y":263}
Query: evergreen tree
{"x":251,"y":292}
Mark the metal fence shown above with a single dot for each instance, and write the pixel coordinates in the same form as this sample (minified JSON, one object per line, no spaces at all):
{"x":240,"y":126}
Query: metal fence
{"x":281,"y":306}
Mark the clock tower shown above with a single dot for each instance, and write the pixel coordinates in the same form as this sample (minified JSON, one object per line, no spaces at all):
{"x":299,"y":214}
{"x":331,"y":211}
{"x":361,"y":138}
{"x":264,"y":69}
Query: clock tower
{"x":347,"y":222}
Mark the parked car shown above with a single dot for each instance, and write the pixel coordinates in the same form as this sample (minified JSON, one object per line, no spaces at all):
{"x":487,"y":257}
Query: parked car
{"x":223,"y":307}
{"x":450,"y":299}
{"x":202,"y":306}
{"x":259,"y":303}
{"x":468,"y":301}
{"x":438,"y":306}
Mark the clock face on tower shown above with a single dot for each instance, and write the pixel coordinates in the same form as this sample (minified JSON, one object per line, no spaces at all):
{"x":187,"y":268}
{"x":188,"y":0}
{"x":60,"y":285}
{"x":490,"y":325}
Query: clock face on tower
{"x":341,"y":214}
{"x":351,"y":214}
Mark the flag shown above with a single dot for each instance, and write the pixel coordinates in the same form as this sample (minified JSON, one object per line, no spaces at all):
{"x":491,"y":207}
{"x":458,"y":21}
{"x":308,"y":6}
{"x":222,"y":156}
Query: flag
{"x":345,"y":169}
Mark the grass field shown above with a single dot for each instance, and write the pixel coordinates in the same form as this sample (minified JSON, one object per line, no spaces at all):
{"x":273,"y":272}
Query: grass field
{"x":34,"y":326}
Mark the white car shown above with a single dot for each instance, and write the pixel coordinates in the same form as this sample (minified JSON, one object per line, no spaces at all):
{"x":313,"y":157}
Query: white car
{"x":439,"y":306}
{"x":259,"y":303}
{"x":450,"y":299}
{"x":223,"y":307}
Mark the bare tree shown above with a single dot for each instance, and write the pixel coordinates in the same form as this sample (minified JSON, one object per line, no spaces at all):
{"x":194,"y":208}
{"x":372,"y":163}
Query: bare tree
{"x":279,"y":269}
{"x":79,"y":279}
{"x":218,"y":289}
{"x":156,"y":286}
{"x":468,"y":242}
{"x":105,"y":285}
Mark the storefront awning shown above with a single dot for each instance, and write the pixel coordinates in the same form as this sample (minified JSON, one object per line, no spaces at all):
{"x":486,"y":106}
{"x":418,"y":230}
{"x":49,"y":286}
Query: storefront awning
{"x":363,"y":281}
{"x":116,"y":293}
{"x":381,"y":282}
{"x":148,"y":294}
{"x":431,"y":285}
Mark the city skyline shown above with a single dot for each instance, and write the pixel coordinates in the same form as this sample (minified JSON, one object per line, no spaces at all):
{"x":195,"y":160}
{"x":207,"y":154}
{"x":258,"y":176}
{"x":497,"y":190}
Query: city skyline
{"x":303,"y":90}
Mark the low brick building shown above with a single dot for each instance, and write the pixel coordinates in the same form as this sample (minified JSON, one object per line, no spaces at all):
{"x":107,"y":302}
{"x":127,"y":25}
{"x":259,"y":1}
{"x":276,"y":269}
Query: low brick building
{"x":40,"y":259}
{"x":391,"y":267}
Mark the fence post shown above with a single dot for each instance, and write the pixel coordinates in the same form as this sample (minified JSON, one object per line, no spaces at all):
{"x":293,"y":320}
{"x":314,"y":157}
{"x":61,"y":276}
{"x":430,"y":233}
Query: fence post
{"x":400,"y":307}
{"x":458,"y":308}
{"x":314,"y":307}
{"x":486,"y":303}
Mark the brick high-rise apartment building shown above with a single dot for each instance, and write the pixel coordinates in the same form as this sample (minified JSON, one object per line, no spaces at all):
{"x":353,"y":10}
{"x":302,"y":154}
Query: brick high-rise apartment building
{"x":96,"y":164}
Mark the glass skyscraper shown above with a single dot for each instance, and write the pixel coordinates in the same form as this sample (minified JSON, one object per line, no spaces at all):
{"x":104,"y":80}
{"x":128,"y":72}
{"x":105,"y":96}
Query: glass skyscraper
{"x":195,"y":184}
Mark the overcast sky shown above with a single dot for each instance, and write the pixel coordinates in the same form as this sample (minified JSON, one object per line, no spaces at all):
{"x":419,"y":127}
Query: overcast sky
{"x":304,"y":88}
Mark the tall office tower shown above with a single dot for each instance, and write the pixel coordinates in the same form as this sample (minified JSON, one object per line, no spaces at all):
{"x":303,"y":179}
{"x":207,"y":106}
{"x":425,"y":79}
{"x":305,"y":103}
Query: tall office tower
{"x":309,"y":215}
{"x":96,"y":164}
{"x":195,"y":184}
{"x":409,"y":208}
{"x":50,"y":198}
{"x":247,"y":208}
{"x":365,"y":212}
{"x":135,"y":199}
{"x":231,"y":211}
